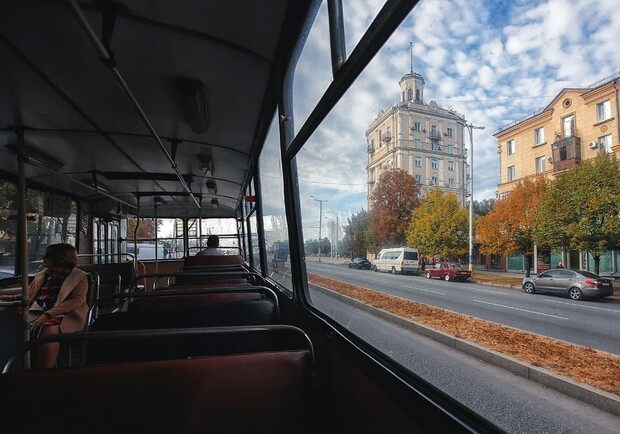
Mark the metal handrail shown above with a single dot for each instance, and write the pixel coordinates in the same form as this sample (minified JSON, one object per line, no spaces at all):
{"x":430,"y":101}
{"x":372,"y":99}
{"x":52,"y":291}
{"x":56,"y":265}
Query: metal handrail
{"x":121,"y":335}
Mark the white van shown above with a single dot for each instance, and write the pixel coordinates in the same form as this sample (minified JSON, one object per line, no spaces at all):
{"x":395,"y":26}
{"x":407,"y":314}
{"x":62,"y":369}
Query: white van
{"x":397,"y":260}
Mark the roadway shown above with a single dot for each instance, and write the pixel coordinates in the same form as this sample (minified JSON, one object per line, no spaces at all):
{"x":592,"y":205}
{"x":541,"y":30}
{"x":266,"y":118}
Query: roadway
{"x":588,"y":323}
{"x":513,"y":403}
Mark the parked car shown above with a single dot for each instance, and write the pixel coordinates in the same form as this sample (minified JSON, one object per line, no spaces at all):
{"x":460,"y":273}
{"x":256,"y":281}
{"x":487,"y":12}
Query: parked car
{"x":574,"y":283}
{"x":448,"y":271}
{"x":360,"y":263}
{"x":397,"y":260}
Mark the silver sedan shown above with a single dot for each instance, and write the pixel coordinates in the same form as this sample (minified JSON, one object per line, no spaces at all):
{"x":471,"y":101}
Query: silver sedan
{"x":574,"y":283}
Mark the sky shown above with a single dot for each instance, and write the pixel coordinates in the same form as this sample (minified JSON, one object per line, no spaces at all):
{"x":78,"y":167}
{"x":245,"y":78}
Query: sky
{"x":492,"y":61}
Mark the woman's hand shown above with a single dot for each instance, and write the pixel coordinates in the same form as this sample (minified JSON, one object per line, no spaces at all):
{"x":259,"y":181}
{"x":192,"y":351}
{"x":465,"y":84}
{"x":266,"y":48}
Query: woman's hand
{"x":40,"y":320}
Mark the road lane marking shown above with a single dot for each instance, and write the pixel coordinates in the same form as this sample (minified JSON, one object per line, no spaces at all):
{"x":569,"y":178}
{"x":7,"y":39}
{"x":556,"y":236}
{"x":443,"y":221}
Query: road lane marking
{"x":425,"y":290}
{"x":522,"y":310}
{"x":584,"y":306}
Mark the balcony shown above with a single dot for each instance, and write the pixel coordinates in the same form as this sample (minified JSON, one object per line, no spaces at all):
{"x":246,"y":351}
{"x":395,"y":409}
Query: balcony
{"x":386,"y":137}
{"x":566,"y":154}
{"x":371,"y":150}
{"x":434,"y":135}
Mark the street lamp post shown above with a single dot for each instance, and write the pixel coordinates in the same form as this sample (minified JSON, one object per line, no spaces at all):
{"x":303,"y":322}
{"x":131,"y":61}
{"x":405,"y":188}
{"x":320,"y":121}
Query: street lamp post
{"x":320,"y":201}
{"x":471,"y":127}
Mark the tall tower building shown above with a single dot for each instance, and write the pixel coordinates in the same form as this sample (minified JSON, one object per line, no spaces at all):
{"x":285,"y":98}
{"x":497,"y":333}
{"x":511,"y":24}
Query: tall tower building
{"x":420,"y":138}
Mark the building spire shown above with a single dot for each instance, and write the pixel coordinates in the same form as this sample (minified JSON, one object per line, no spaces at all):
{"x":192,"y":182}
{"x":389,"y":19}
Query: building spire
{"x":411,"y":56}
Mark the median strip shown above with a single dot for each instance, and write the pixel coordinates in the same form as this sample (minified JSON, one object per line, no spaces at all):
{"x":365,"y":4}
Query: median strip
{"x":582,"y":364}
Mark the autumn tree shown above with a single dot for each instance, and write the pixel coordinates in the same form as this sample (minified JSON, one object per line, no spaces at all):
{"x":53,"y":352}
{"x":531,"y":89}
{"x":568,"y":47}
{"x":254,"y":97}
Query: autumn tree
{"x":508,"y":227}
{"x":439,"y":226}
{"x":355,"y":232}
{"x":146,"y":229}
{"x":393,"y":201}
{"x":580,"y":209}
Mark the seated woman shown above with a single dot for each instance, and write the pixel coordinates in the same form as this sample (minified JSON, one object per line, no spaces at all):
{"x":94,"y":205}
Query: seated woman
{"x":57,"y":299}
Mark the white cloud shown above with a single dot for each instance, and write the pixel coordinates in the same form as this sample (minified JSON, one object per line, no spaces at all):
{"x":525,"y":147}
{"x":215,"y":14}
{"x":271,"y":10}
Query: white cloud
{"x":494,"y":62}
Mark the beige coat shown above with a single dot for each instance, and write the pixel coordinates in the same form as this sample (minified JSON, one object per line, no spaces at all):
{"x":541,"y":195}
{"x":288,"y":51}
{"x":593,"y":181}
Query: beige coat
{"x":71,"y":300}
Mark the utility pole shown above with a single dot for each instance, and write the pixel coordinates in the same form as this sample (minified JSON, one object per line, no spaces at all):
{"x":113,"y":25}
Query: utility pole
{"x":471,"y":129}
{"x":320,"y":201}
{"x":337,"y":231}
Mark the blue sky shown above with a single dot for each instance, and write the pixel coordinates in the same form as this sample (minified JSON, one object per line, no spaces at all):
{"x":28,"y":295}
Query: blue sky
{"x":492,"y":61}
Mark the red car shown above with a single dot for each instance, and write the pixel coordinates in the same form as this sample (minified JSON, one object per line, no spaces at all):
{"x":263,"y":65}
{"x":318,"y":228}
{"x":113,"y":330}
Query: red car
{"x":448,"y":271}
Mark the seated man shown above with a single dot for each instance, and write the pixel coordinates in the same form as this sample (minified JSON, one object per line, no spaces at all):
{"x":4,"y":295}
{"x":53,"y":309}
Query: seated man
{"x":213,"y":244}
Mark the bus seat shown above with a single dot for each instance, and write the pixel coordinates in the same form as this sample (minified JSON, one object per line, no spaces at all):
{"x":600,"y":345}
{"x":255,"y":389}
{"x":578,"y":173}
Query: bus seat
{"x":176,"y":301}
{"x":192,"y":261}
{"x":259,"y":393}
{"x":245,"y":312}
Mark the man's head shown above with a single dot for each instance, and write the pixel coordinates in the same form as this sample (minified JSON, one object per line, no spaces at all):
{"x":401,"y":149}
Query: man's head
{"x":213,"y":241}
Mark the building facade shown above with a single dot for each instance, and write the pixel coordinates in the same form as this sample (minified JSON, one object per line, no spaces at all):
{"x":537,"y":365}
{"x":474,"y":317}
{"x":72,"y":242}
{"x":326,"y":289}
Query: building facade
{"x":577,"y":125}
{"x":425,"y":140}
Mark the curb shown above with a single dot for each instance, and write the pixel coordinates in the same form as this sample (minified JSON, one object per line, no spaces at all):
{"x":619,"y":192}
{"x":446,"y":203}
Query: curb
{"x":590,"y":395}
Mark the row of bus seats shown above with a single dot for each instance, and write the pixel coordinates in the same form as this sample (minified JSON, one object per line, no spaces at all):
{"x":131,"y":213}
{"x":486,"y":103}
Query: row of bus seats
{"x":206,"y":356}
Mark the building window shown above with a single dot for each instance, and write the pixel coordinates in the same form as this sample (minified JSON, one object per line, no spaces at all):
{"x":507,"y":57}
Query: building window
{"x":418,"y":179}
{"x":569,"y":126}
{"x":434,"y":132}
{"x":372,"y":144}
{"x":434,"y":145}
{"x":388,"y":134}
{"x":511,"y":173}
{"x":451,"y":166}
{"x":418,"y":162}
{"x":603,"y":111}
{"x":410,"y":95}
{"x":417,"y":94}
{"x":540,"y":164}
{"x":604,"y":143}
{"x":434,"y":164}
{"x":450,"y":149}
{"x":404,"y":97}
{"x":416,"y":126}
{"x":417,"y":144}
{"x":433,"y":180}
{"x":451,"y":182}
{"x":449,"y":132}
{"x":539,"y":136}
{"x":510,"y":146}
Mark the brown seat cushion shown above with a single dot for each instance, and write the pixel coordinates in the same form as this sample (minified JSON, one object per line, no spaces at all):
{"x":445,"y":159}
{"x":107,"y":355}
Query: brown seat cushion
{"x":245,"y":393}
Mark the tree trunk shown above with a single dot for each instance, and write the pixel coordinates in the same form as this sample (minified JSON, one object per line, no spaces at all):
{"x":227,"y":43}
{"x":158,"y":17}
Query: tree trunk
{"x":528,"y":265}
{"x":597,"y":263}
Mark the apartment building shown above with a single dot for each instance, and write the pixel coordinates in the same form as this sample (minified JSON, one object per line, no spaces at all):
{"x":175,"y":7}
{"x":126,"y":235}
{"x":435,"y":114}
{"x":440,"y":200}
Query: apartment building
{"x":420,"y":138}
{"x":576,"y":125}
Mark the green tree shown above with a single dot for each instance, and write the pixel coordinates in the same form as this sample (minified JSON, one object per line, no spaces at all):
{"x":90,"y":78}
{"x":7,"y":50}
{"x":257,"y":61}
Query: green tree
{"x":393,"y":201}
{"x":439,"y":226}
{"x":581,"y":209}
{"x":507,"y":228}
{"x":355,"y":233}
{"x":484,"y":206}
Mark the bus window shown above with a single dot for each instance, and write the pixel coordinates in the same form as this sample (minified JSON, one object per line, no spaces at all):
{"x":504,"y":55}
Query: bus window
{"x":274,"y":214}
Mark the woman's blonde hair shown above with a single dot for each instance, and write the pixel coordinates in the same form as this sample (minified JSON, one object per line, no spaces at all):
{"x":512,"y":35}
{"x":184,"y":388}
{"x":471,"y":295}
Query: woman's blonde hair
{"x":63,"y":255}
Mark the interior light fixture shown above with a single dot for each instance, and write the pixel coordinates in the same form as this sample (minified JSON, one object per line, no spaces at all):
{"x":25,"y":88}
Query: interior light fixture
{"x":194,"y":102}
{"x":215,"y":202}
{"x":36,"y":156}
{"x":211,"y":186}
{"x":159,"y":201}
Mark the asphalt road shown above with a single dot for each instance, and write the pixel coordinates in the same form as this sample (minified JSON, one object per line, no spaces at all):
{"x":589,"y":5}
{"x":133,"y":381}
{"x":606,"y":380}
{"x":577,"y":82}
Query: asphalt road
{"x":590,"y":323}
{"x":512,"y":403}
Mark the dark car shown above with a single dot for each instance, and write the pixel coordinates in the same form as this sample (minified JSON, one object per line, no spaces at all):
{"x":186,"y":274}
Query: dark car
{"x":447,"y":271}
{"x":360,"y":263}
{"x":574,"y":283}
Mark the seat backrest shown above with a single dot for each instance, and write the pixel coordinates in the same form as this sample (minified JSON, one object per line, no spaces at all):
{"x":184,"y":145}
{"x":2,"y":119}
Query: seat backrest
{"x":168,"y":302}
{"x":258,"y":393}
{"x":192,"y":261}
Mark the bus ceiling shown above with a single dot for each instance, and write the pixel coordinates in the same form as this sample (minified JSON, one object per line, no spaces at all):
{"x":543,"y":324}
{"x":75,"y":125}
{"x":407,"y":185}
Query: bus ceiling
{"x":112,"y":101}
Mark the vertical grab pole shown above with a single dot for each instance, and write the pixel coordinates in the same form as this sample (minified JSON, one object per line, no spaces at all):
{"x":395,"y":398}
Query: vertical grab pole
{"x":22,"y":236}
